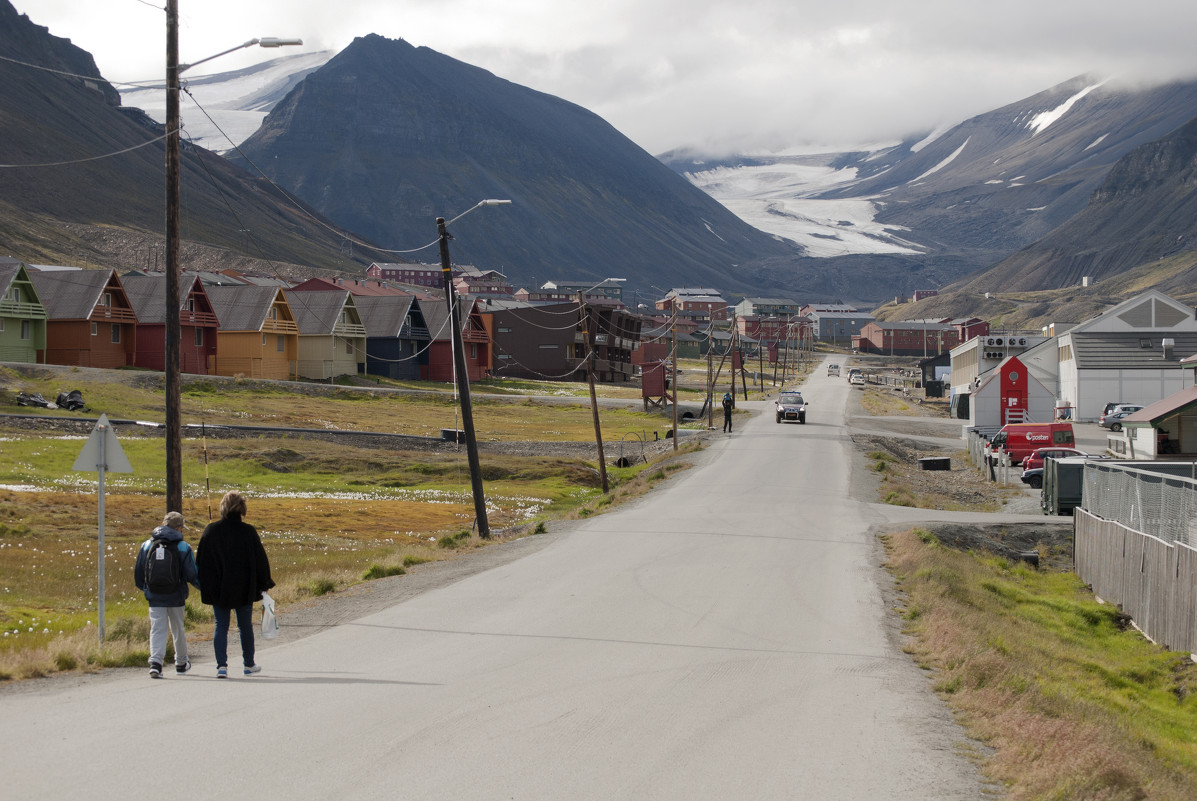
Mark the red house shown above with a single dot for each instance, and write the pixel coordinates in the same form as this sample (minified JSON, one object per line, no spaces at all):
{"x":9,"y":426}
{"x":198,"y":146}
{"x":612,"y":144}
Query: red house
{"x":90,"y":322}
{"x":197,"y":322}
{"x":475,"y":341}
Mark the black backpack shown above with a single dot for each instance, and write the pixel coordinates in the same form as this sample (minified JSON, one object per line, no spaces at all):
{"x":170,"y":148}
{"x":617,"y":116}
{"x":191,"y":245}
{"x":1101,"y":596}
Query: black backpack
{"x":163,"y":573}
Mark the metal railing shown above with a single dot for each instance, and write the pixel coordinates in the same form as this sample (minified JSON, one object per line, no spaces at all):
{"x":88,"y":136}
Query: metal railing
{"x":1147,"y":501}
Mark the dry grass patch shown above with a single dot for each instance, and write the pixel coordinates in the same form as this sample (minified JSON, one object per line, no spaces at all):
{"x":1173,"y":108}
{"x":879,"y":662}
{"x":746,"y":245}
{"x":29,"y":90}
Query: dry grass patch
{"x":1074,"y":702}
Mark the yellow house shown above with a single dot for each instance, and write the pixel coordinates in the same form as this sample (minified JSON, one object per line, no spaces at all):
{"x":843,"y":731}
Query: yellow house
{"x":258,"y":337}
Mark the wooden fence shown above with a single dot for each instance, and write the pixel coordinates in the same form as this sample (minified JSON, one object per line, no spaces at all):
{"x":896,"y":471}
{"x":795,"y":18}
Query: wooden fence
{"x":1155,"y":582}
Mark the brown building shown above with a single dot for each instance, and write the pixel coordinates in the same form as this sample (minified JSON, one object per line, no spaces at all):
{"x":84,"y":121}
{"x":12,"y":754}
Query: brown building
{"x":197,"y":322}
{"x":90,"y":322}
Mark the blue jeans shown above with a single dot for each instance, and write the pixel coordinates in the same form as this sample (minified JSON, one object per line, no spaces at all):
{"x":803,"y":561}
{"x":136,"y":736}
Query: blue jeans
{"x":220,"y":638}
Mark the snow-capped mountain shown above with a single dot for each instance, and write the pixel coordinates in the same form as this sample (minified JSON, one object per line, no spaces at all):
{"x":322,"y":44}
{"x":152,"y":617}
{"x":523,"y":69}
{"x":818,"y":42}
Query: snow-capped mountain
{"x":956,"y":200}
{"x":235,"y":102}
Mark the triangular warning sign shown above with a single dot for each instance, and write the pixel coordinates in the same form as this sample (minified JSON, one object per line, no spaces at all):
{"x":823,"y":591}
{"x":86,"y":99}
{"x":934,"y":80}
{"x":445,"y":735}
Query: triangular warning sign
{"x":103,"y":450}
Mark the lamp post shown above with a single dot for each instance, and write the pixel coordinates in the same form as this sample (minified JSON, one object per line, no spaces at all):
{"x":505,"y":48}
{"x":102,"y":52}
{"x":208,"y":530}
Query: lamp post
{"x":459,"y":365}
{"x":174,"y":430}
{"x":588,"y":341}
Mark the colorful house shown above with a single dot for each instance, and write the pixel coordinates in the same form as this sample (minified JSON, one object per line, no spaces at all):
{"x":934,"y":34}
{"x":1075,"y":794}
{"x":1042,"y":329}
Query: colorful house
{"x":475,"y":341}
{"x":90,"y":322}
{"x":22,"y":315}
{"x":332,"y":338}
{"x":197,"y":322}
{"x":397,"y":337}
{"x":258,"y":336}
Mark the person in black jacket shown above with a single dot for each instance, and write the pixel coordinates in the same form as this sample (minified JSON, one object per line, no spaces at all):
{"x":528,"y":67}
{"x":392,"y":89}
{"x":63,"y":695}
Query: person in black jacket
{"x":167,"y":609}
{"x":728,"y":405}
{"x":233,"y":573}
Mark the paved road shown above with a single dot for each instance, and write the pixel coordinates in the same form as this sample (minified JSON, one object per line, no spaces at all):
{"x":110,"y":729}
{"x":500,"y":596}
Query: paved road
{"x":725,"y":639}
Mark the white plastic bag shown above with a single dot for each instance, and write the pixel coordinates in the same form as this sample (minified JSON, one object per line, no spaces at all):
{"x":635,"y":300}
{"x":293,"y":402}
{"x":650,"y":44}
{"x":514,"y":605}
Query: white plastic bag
{"x":269,"y":621}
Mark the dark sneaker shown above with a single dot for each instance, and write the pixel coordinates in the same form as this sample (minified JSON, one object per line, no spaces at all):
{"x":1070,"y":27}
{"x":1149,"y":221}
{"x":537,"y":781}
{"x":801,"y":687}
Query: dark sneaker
{"x":252,"y":669}
{"x":222,"y":672}
{"x":155,"y":670}
{"x":183,"y":668}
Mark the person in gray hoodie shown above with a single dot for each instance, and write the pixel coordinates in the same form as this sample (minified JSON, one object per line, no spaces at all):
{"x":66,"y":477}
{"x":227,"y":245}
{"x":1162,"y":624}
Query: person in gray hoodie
{"x":167,"y":606}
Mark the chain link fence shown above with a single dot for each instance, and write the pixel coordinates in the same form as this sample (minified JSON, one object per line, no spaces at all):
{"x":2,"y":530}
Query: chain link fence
{"x":1150,"y":502}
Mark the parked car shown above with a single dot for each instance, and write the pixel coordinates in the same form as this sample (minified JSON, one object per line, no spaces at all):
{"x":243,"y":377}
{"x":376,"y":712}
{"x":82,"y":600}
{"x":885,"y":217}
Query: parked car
{"x":857,"y":378}
{"x":1033,"y":478}
{"x":791,"y":406}
{"x":1113,"y":418}
{"x":1036,"y":458}
{"x":833,"y":369}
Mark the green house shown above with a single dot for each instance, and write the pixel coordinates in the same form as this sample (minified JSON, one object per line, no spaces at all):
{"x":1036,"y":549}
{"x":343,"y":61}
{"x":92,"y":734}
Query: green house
{"x":22,"y":315}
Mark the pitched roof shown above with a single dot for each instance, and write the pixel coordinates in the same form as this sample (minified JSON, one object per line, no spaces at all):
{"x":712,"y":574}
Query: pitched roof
{"x":147,"y":295}
{"x":243,"y":307}
{"x":1130,"y":350}
{"x":318,"y":312}
{"x":1181,"y":401}
{"x":384,"y":315}
{"x":70,"y":294}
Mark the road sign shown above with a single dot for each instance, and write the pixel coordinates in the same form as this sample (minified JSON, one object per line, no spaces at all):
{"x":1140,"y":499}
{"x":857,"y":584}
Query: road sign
{"x":102,"y":453}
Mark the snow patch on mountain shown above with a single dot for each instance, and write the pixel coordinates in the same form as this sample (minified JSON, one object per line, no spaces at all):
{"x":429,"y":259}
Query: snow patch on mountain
{"x":943,"y":163}
{"x":1040,"y":122}
{"x":780,"y":197}
{"x":224,"y":109}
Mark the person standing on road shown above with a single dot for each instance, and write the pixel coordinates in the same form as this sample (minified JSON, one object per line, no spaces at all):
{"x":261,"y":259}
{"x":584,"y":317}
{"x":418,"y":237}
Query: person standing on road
{"x":728,"y":405}
{"x":233,"y":574}
{"x":165,"y":566}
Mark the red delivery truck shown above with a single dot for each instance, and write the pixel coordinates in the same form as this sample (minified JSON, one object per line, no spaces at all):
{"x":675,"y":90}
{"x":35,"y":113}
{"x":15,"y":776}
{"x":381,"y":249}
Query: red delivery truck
{"x":1020,"y":440}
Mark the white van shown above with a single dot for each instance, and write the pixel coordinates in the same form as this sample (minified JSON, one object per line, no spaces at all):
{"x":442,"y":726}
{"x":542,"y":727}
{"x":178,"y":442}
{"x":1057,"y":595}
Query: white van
{"x":833,"y":369}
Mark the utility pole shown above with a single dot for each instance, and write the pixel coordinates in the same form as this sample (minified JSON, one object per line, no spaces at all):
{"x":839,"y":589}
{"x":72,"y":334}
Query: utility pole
{"x":463,"y":383}
{"x":588,"y":342}
{"x":710,"y":371}
{"x":174,"y":391}
{"x":675,"y":381}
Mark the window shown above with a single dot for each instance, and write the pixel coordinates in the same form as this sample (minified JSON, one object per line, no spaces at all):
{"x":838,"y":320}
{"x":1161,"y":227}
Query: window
{"x":280,"y":343}
{"x":14,"y":294}
{"x":549,"y":347}
{"x":348,"y":347}
{"x":116,"y":333}
{"x":473,"y":351}
{"x":95,"y":329}
{"x":26,"y":329}
{"x":106,"y":300}
{"x":263,"y":340}
{"x":1,"y":323}
{"x":199,"y":337}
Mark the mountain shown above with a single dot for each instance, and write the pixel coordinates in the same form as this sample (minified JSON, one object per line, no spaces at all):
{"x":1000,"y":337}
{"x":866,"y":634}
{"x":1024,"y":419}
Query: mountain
{"x":386,"y":137}
{"x":233,"y":103}
{"x":74,"y":203}
{"x":1144,"y":211}
{"x":928,"y":211}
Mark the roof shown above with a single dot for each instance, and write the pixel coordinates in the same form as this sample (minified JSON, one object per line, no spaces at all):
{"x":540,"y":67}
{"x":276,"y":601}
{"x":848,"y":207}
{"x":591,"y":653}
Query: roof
{"x":1182,"y":401}
{"x":147,"y":295}
{"x":318,"y":312}
{"x":1130,"y":350}
{"x":912,"y":325}
{"x":243,"y":307}
{"x":384,"y":315}
{"x":70,"y":294}
{"x":818,"y":314}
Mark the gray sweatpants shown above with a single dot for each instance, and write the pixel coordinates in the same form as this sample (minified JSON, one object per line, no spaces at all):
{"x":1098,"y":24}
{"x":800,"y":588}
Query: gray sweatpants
{"x":160,"y":618}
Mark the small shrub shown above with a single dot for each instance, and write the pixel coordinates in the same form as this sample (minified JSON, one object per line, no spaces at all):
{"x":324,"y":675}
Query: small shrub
{"x":410,"y":561}
{"x":541,"y":528}
{"x":320,"y":586}
{"x":197,"y":613}
{"x":377,"y":571}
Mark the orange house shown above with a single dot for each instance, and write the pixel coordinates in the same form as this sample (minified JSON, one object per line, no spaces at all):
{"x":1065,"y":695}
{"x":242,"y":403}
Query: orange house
{"x":258,"y":337}
{"x":90,"y":322}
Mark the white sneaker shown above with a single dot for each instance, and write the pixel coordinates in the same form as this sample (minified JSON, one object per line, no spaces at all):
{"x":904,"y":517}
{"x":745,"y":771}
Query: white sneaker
{"x":252,"y":669}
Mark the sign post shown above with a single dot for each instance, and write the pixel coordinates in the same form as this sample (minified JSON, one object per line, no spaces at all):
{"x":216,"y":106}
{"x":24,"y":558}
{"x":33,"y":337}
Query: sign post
{"x":102,"y":453}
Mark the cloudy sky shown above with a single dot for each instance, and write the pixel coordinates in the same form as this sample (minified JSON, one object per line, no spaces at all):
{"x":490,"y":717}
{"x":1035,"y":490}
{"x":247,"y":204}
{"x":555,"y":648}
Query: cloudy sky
{"x":719,"y":75}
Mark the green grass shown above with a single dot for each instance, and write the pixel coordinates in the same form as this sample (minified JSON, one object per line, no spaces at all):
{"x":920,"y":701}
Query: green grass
{"x":1076,"y":703}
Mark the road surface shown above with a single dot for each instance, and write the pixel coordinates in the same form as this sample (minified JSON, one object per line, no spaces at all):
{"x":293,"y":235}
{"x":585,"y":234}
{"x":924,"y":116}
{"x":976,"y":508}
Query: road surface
{"x":724,"y":638}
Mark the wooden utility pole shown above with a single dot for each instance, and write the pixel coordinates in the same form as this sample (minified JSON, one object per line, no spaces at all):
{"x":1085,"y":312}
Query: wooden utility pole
{"x":588,"y":343}
{"x":675,"y":386}
{"x":174,"y":391}
{"x":463,"y":382}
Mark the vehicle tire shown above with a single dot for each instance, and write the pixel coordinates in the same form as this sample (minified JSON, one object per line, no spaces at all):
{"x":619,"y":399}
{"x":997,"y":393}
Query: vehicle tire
{"x":1116,"y":427}
{"x":779,"y":418}
{"x":802,"y":419}
{"x":1036,"y":482}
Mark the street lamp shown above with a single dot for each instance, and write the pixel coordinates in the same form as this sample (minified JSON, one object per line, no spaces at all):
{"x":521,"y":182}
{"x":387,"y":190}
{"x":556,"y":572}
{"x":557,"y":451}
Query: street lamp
{"x":174,"y":392}
{"x":588,"y":341}
{"x":463,"y":378}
